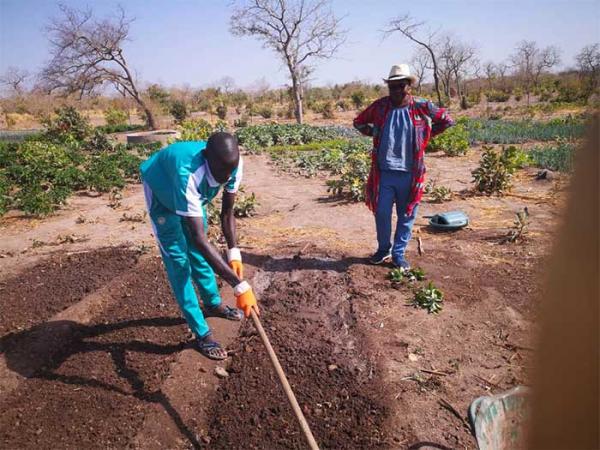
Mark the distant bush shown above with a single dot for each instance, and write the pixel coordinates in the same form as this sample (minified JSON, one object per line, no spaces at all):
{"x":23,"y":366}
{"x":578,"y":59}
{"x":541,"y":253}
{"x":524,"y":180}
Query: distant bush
{"x":222,"y":112}
{"x":328,"y":111}
{"x":68,"y":126}
{"x":241,"y":122}
{"x":497,"y":96}
{"x":179,"y":111}
{"x":115,"y":117}
{"x":265,"y":111}
{"x":358,"y":99}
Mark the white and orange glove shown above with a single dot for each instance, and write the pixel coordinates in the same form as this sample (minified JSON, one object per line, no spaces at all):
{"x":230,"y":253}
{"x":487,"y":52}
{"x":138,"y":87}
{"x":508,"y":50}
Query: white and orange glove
{"x":245,"y":299}
{"x":234,"y":258}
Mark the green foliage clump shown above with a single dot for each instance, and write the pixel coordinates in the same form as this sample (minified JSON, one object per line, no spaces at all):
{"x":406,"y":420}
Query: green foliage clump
{"x":438,"y":194}
{"x":195,"y":130}
{"x":38,"y":176}
{"x":358,"y":99}
{"x":257,"y":137}
{"x":453,"y":142}
{"x":245,"y":205}
{"x":115,"y":117}
{"x":179,"y":111}
{"x":354,"y":172}
{"x":328,"y":110}
{"x":401,"y":275}
{"x":557,"y":156}
{"x":495,"y":170}
{"x":430,"y":298}
{"x":40,"y":173}
{"x":68,"y":126}
{"x":265,"y":111}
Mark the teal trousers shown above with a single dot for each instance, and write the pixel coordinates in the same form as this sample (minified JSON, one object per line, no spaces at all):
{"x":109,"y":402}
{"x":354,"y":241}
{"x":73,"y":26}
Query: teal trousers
{"x":184,"y":264}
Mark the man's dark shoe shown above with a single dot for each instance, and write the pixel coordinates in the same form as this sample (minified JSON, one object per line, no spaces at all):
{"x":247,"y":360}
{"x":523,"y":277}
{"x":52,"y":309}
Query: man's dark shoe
{"x":380,"y":257}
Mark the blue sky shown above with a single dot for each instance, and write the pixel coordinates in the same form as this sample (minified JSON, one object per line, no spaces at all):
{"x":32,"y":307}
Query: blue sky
{"x":188,"y":41}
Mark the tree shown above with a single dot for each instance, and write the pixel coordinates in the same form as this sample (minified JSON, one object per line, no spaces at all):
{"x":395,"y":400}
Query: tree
{"x":87,"y":54}
{"x":409,"y":28}
{"x":491,"y":73}
{"x":14,"y":78}
{"x":299,"y":31}
{"x":588,"y":64}
{"x":530,"y":62}
{"x":420,"y":62}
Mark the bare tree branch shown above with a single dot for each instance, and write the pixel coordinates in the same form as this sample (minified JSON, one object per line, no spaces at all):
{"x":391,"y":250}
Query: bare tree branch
{"x":14,"y":78}
{"x":87,"y":54}
{"x":299,"y":31}
{"x":412,"y":30}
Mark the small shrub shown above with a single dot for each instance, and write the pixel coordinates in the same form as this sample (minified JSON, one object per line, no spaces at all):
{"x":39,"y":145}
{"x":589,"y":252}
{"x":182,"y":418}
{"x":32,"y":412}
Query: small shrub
{"x":222,"y":112}
{"x":328,"y":111}
{"x":68,"y":126}
{"x":438,"y":194}
{"x":179,"y":111}
{"x":266,"y":112}
{"x":358,"y":99}
{"x":494,"y":172}
{"x":115,"y":117}
{"x":343,"y":104}
{"x":241,"y":122}
{"x":497,"y":96}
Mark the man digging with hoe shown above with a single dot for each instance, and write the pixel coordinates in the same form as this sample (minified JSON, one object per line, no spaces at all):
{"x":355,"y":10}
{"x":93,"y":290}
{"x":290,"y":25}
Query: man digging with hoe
{"x":179,"y":181}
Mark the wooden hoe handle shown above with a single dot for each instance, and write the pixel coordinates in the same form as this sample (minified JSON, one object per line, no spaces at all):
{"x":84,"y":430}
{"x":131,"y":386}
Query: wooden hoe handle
{"x":310,"y":439}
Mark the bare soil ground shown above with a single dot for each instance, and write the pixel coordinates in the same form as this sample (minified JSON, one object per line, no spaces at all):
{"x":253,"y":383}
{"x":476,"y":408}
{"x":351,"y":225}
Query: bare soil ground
{"x":94,"y":353}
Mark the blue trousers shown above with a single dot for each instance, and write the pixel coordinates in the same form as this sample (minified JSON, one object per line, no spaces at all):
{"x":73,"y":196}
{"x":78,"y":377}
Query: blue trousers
{"x":394,"y":187}
{"x":184,"y":264}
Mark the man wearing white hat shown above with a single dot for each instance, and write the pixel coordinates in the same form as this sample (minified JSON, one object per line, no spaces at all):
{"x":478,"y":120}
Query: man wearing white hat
{"x":401,"y":126}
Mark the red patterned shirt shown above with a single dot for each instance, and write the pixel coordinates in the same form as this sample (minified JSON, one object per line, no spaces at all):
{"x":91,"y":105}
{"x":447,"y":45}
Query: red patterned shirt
{"x":428,"y":120}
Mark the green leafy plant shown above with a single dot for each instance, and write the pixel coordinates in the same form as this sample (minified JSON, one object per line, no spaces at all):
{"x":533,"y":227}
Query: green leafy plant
{"x":245,"y":205}
{"x":430,"y":298}
{"x":438,"y":194}
{"x":453,"y":142}
{"x":401,"y":275}
{"x":516,"y":157}
{"x":494,"y":172}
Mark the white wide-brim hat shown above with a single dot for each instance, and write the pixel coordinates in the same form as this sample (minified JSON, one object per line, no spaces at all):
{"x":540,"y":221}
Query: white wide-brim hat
{"x":400,"y":72}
